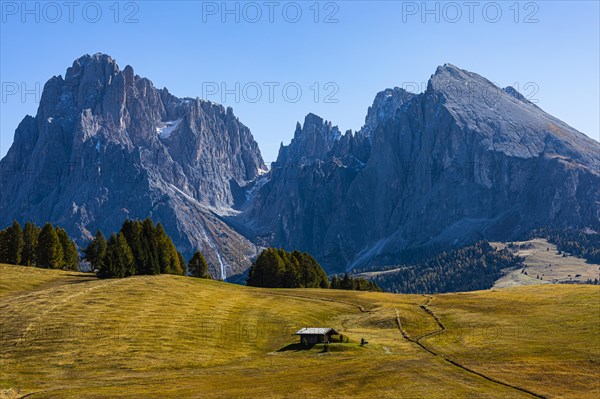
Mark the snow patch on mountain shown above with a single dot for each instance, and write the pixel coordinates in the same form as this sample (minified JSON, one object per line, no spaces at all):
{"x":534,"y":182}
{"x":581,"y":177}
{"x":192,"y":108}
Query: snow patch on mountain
{"x":167,"y":128}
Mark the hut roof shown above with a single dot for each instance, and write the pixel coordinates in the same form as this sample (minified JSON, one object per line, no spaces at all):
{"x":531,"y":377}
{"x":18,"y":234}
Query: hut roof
{"x":316,"y":330}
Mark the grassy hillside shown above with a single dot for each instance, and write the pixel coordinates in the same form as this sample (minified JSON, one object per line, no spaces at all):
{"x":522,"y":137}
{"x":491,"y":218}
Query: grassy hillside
{"x":65,"y":334}
{"x":16,"y":280}
{"x":542,"y":259}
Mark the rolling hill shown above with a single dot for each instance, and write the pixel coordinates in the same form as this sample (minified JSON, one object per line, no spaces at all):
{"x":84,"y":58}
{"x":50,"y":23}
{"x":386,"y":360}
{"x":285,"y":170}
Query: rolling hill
{"x":67,"y":334}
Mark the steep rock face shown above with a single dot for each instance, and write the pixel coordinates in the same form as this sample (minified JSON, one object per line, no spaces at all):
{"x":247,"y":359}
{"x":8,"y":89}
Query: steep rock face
{"x":462,"y":161}
{"x":106,"y":145}
{"x":303,"y":202}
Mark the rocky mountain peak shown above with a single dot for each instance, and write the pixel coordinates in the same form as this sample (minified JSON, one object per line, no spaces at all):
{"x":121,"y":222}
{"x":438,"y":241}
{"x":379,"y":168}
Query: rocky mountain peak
{"x":98,"y":64}
{"x":450,"y":69}
{"x":312,"y":140}
{"x":503,"y":119}
{"x":384,"y":107}
{"x":455,"y":82}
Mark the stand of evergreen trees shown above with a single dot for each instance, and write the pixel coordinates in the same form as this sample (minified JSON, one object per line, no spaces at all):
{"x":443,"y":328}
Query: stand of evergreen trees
{"x":276,"y":268}
{"x":138,"y":248}
{"x":141,"y":247}
{"x":470,"y":268}
{"x":47,"y":247}
{"x":353,"y":283}
{"x":581,"y":243}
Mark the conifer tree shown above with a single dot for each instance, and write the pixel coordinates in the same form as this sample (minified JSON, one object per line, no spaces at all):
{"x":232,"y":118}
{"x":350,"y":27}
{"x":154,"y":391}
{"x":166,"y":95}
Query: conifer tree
{"x":197,"y":267}
{"x":96,"y":251}
{"x":149,"y":247}
{"x":335,"y":282}
{"x":291,"y":277}
{"x":3,"y":246}
{"x":108,"y":266}
{"x":15,"y":243}
{"x":132,"y":230}
{"x":126,"y":264}
{"x":30,"y":238}
{"x":182,"y":264}
{"x":69,"y":248}
{"x":346,"y":283}
{"x":266,"y":269}
{"x":167,"y":253}
{"x":118,"y":261}
{"x":49,"y":253}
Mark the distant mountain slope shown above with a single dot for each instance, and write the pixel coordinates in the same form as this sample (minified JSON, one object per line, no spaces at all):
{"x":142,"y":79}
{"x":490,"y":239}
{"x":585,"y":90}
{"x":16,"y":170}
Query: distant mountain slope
{"x":107,"y":145}
{"x":463,"y":161}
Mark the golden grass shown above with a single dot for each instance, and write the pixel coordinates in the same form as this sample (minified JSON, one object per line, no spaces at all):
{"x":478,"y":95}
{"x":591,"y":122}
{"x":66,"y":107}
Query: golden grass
{"x":545,"y":337}
{"x":22,"y":279}
{"x":179,"y":337}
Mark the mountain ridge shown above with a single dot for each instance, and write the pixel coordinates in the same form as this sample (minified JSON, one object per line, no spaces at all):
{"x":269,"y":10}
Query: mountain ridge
{"x":464,"y":150}
{"x":461,"y":161}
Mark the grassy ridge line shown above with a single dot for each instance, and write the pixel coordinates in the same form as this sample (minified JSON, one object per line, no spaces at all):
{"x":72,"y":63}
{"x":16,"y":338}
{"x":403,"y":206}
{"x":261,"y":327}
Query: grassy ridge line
{"x":17,"y":280}
{"x":441,"y":329}
{"x":359,"y":307}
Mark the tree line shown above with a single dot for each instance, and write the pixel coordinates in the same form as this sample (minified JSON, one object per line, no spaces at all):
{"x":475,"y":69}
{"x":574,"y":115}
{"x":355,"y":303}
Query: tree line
{"x":471,"y":268}
{"x":138,"y":248}
{"x":47,"y":247}
{"x":277,"y":268}
{"x":141,"y":248}
{"x":144,"y":248}
{"x":353,"y":283}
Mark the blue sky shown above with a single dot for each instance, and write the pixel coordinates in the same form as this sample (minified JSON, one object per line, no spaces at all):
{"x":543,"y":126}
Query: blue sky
{"x":329,"y":58}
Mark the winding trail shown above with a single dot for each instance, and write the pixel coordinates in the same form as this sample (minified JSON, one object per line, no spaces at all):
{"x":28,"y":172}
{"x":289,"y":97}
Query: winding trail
{"x":417,"y":341}
{"x":441,"y":329}
{"x":31,"y":394}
